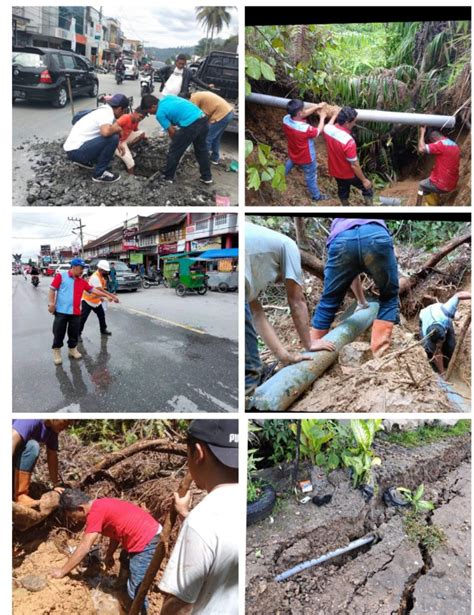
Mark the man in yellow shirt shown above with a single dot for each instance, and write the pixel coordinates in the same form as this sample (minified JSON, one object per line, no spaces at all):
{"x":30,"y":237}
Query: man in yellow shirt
{"x":220,"y":113}
{"x":91,"y":302}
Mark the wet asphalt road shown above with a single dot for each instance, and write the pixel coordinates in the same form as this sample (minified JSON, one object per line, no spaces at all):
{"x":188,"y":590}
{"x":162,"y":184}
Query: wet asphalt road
{"x":145,"y":366}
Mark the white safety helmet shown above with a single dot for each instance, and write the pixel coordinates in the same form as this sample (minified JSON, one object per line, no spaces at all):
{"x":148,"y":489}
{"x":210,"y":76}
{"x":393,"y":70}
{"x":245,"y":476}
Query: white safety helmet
{"x":104,"y":265}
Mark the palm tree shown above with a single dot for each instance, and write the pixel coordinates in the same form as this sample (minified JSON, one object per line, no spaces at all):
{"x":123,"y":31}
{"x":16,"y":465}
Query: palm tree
{"x":213,"y":18}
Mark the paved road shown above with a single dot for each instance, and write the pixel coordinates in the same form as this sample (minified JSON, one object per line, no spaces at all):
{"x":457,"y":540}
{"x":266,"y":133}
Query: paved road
{"x":41,"y":120}
{"x":147,"y":365}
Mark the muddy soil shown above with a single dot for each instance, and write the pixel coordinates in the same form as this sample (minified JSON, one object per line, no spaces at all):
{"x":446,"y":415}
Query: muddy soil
{"x":264,"y":124}
{"x":358,"y":383}
{"x":59,"y":182}
{"x":148,"y":479}
{"x":384,"y":578}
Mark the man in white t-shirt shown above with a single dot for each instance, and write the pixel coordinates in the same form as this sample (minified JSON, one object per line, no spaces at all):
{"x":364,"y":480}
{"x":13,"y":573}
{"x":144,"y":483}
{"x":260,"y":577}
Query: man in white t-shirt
{"x":175,"y":80}
{"x":272,"y":257}
{"x":201,"y":576}
{"x":94,"y":138}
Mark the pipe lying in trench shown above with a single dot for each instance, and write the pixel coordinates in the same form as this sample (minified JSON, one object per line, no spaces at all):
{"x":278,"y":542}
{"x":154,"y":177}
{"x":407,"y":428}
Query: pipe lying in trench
{"x":355,"y":544}
{"x":282,"y":389}
{"x":369,"y":115}
{"x":462,"y":404}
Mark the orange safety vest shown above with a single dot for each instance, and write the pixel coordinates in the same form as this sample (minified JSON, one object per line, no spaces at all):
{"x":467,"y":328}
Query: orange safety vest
{"x":89,"y":297}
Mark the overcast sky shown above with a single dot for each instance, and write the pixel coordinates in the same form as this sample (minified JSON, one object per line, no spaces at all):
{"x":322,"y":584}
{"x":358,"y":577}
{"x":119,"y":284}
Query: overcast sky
{"x":161,"y":26}
{"x":31,"y":230}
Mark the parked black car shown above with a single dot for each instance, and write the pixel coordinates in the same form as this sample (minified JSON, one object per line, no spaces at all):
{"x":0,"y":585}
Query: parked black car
{"x":221,"y":68}
{"x":41,"y":74}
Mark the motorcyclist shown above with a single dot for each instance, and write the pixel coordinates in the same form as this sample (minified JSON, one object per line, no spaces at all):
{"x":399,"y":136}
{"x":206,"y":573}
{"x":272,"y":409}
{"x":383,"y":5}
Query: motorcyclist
{"x":120,"y":66}
{"x":34,"y":272}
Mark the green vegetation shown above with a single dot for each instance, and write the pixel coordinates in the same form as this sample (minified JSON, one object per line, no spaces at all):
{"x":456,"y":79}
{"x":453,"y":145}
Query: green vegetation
{"x":279,"y":438}
{"x":408,"y":66}
{"x":414,"y":498}
{"x":115,"y":434}
{"x":428,"y":536}
{"x":428,"y":434}
{"x":361,"y":457}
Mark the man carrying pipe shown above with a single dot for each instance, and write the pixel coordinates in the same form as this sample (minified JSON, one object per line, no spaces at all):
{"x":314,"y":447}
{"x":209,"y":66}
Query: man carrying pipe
{"x":202,"y":573}
{"x":301,"y":148}
{"x":272,"y":257}
{"x":355,"y":246}
{"x":343,"y":163}
{"x":436,"y":325}
{"x":445,"y":174}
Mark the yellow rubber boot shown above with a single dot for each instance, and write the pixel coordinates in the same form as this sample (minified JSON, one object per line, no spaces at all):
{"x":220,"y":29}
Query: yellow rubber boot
{"x":57,"y":356}
{"x":74,"y":353}
{"x":22,"y":487}
{"x":432,"y":199}
{"x":381,"y":337}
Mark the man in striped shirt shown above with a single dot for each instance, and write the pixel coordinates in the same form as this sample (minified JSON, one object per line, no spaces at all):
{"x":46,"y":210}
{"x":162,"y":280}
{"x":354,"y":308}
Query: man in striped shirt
{"x":301,"y":150}
{"x":343,"y":163}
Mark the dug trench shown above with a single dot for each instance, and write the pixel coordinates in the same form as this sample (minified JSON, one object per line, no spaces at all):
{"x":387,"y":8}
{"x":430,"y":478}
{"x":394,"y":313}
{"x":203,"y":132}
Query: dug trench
{"x":264,"y":124}
{"x":356,"y":382}
{"x":398,"y":573}
{"x":57,"y":181}
{"x":147,"y":477}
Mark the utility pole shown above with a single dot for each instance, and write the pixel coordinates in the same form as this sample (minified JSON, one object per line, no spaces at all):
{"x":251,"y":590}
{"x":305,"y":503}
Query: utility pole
{"x":79,"y":228}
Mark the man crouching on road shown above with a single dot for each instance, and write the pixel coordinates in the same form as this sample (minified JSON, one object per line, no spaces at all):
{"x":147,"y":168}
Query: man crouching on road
{"x":202,"y":573}
{"x":95,"y":137}
{"x":65,"y":294}
{"x":123,"y":523}
{"x":272,"y":257}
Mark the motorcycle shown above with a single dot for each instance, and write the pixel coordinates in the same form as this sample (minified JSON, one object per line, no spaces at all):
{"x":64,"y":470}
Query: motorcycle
{"x":146,"y":84}
{"x":149,"y":281}
{"x":35,"y":280}
{"x":119,"y":76}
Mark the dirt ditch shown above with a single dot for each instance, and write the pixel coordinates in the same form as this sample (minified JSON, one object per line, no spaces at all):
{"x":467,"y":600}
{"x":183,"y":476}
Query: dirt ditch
{"x":398,"y":574}
{"x":59,"y":182}
{"x":358,"y":383}
{"x":264,"y":124}
{"x":147,"y":478}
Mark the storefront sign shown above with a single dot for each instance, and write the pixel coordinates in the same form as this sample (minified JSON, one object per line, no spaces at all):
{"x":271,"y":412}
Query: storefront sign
{"x":168,"y":248}
{"x":136,"y":258}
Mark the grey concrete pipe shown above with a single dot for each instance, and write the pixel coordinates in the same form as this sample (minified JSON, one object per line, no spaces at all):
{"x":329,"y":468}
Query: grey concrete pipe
{"x":369,"y":115}
{"x":282,"y":389}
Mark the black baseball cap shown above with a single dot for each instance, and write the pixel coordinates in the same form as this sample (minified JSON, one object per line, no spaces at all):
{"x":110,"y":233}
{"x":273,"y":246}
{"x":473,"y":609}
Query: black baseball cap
{"x":221,"y":436}
{"x":119,"y":100}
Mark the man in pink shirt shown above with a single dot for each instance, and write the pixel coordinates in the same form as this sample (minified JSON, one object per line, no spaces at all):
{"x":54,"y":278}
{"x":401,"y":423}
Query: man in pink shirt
{"x":123,"y":523}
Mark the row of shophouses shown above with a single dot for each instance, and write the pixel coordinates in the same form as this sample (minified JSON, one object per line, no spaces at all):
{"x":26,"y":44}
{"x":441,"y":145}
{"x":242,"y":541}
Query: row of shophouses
{"x":82,"y":29}
{"x":145,"y":239}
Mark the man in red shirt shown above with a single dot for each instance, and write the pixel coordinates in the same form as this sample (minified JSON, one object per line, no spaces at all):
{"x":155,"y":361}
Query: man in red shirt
{"x":130,"y":135}
{"x":301,"y":150}
{"x":65,"y":295}
{"x":123,"y":523}
{"x":343,"y":163}
{"x":445,"y":174}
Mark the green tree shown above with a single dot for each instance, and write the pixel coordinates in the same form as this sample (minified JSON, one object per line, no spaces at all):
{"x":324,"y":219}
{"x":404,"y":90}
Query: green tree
{"x":213,"y":19}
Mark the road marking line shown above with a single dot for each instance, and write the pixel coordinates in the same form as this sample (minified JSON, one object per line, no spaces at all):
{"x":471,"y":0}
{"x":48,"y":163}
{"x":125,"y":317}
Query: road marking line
{"x":170,"y":322}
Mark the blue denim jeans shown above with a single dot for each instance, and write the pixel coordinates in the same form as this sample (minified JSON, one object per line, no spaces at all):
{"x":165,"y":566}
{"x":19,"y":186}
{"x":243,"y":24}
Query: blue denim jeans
{"x":99,"y":150}
{"x":216,"y":130}
{"x":26,"y":456}
{"x":364,"y":249}
{"x":310,"y":175}
{"x":138,"y":565}
{"x":253,"y":364}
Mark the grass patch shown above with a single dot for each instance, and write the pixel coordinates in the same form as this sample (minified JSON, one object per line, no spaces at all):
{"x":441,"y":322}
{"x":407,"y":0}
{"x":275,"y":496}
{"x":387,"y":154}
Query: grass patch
{"x":428,"y":434}
{"x":430,"y":537}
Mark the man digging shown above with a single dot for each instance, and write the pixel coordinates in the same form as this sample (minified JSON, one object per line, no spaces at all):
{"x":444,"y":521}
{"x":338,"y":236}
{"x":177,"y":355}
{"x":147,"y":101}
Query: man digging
{"x":65,"y":294}
{"x":123,"y":523}
{"x":27,"y":435}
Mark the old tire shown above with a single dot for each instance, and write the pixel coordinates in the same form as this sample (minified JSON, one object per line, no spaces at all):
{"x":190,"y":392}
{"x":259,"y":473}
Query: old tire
{"x":180,"y":290}
{"x":202,"y":290}
{"x":223,"y":287}
{"x":261,"y":508}
{"x":60,"y":100}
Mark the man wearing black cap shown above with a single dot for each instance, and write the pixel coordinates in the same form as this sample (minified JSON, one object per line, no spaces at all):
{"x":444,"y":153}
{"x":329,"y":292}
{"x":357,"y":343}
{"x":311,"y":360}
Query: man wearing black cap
{"x":94,"y":138}
{"x":202,"y":573}
{"x":343,"y":163}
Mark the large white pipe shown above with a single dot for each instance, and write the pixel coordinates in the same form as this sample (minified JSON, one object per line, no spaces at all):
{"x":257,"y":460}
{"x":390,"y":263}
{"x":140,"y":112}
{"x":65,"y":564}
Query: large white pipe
{"x":369,"y":115}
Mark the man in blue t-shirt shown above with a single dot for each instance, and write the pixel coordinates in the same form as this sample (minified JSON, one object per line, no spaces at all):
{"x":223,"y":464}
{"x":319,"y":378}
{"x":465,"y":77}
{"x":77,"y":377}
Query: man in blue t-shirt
{"x":437,"y":331}
{"x":174,"y":112}
{"x":27,"y":435}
